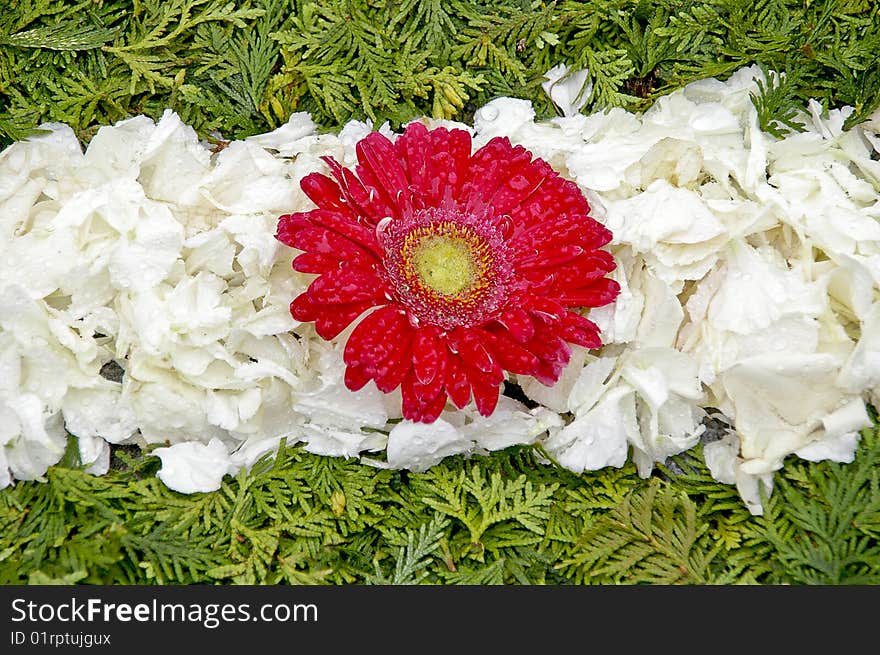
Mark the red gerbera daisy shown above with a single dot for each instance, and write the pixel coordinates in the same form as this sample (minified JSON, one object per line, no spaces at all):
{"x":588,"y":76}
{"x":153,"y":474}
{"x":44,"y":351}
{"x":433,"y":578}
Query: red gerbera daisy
{"x":468,"y":264}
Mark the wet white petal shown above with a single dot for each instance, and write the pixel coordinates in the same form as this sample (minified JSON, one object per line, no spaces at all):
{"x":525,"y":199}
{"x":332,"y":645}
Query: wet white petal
{"x":569,"y":90}
{"x":194,"y":467}
{"x":418,"y":446}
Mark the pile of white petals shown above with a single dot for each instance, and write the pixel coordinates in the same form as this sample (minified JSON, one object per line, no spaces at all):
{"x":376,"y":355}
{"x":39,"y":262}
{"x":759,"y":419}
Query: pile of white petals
{"x":749,"y":268}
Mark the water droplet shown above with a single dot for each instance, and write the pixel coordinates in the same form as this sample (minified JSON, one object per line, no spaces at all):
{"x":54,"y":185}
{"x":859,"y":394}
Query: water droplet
{"x":381,"y":226}
{"x":518,"y":182}
{"x":506,"y":225}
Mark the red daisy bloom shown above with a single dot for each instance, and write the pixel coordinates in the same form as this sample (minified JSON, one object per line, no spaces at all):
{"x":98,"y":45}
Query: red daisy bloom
{"x":468,"y":264}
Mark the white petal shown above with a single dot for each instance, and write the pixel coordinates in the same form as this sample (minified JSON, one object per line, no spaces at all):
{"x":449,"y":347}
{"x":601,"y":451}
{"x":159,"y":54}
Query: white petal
{"x":418,"y":446}
{"x":101,"y":413}
{"x":502,"y":117}
{"x":194,"y":467}
{"x":569,"y":90}
{"x":510,"y":424}
{"x":288,"y":139}
{"x":339,"y":441}
{"x":599,"y":437}
{"x":94,"y":452}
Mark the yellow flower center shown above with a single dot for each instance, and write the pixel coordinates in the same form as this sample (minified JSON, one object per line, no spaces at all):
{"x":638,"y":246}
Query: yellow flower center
{"x":445,"y":264}
{"x":448,"y":268}
{"x":446,"y":260}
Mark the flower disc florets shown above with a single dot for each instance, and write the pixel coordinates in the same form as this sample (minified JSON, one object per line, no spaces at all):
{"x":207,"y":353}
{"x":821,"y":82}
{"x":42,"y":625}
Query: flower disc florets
{"x":464,"y":265}
{"x":447,"y":267}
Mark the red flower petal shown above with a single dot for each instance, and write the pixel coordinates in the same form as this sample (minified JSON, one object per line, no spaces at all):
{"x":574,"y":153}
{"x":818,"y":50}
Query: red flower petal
{"x":380,"y":345}
{"x":512,"y":356}
{"x":333,"y":320}
{"x":421,"y":402}
{"x":328,"y":323}
{"x":544,"y":309}
{"x":601,"y":292}
{"x":485,"y":397}
{"x":518,"y":322}
{"x":559,"y":229}
{"x":552,"y":352}
{"x":429,"y":354}
{"x":346,"y":285}
{"x":472,"y":347}
{"x":356,"y":377}
{"x":580,"y":330}
{"x":457,"y":384}
{"x":577,"y":273}
{"x":325,"y":193}
{"x":435,"y":161}
{"x":382,"y":173}
{"x":364,"y":202}
{"x":497,"y":169}
{"x":555,"y":197}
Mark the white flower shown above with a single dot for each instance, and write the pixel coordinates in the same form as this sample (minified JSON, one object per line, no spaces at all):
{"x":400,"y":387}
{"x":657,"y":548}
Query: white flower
{"x":502,"y":117}
{"x":782,"y":403}
{"x":246,"y":179}
{"x":291,"y":138}
{"x":671,"y":228}
{"x":599,"y":436}
{"x":569,"y":90}
{"x":173,"y":162}
{"x":99,"y":412}
{"x":194,"y":467}
{"x":752,"y":303}
{"x":669,"y":391}
{"x":418,"y":446}
{"x":723,"y":461}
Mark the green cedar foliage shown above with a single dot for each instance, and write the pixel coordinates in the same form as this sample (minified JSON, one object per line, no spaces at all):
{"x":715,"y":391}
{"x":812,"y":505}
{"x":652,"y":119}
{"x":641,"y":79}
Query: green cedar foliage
{"x":506,"y":518}
{"x":242,"y":66}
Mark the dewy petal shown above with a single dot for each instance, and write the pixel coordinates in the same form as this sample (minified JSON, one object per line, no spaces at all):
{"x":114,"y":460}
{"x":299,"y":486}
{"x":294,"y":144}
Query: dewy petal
{"x":422,"y":402}
{"x":364,"y":202}
{"x":429,"y":354}
{"x":345,"y":286}
{"x":382,"y":174}
{"x":569,"y":90}
{"x":193,"y":467}
{"x":417,"y":447}
{"x":436,"y":162}
{"x":778,"y":401}
{"x":376,"y":345}
{"x":598,"y":437}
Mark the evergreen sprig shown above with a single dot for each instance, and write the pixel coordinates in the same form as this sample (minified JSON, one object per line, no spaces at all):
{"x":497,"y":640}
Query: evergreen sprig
{"x":241,"y":67}
{"x":508,"y":518}
{"x":505,"y":518}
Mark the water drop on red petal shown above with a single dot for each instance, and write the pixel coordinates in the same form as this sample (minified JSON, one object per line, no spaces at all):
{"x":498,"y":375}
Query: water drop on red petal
{"x":428,"y":354}
{"x":346,"y":286}
{"x":476,"y":355}
{"x":549,"y":311}
{"x":335,"y":318}
{"x":512,"y":357}
{"x":519,"y":182}
{"x":432,"y":409}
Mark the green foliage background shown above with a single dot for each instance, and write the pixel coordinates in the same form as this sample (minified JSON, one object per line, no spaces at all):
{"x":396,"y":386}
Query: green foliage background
{"x":236,"y":68}
{"x":241,"y":67}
